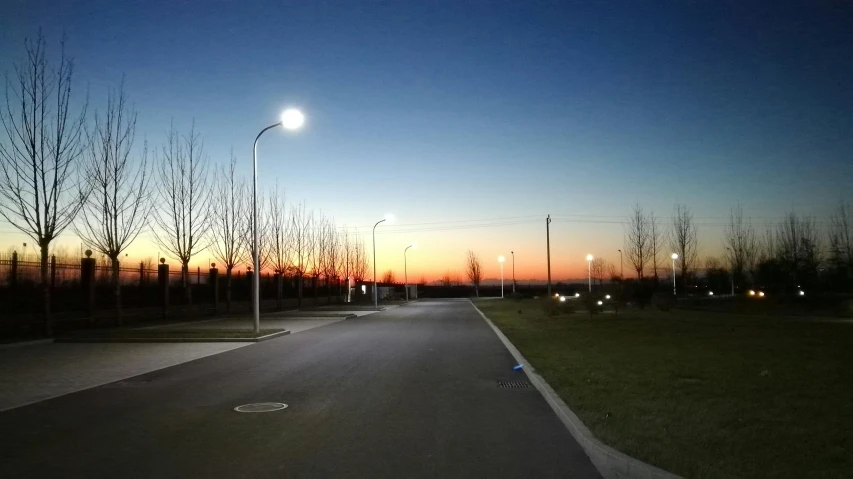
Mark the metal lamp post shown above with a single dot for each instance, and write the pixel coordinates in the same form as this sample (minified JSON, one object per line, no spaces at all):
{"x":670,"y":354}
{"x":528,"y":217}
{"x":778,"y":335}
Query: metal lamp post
{"x":389,"y":218}
{"x":406,"y":269}
{"x":501,"y":261}
{"x":589,"y":270}
{"x":674,"y":257}
{"x":291,"y":119}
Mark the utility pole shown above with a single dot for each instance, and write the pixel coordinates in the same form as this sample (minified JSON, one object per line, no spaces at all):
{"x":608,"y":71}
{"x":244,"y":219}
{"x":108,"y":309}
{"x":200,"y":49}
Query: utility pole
{"x":513,"y":271}
{"x":548,"y":245}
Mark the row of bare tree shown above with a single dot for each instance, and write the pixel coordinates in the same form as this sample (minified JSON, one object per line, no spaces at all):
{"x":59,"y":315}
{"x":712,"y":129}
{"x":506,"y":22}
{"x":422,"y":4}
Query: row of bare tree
{"x":787,"y":253}
{"x":61,"y":168}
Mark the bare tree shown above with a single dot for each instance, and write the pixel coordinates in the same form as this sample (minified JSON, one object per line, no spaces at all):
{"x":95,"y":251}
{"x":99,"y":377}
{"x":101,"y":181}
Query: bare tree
{"x":656,"y":243}
{"x":360,"y":262}
{"x":638,"y":247}
{"x":613,"y":272}
{"x":279,"y":241}
{"x":318,"y":253}
{"x":228,"y":221}
{"x":301,"y":223}
{"x":598,"y":269}
{"x":841,"y":239}
{"x":331,"y":258}
{"x":117,"y":208}
{"x":684,"y":239}
{"x":446,"y":279}
{"x":388,"y":277}
{"x":182,"y":216}
{"x":474,"y":271}
{"x":41,"y":154}
{"x":798,"y":248}
{"x":740,"y":242}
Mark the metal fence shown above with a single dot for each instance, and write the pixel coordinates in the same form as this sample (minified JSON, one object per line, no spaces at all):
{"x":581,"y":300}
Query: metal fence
{"x":65,"y":271}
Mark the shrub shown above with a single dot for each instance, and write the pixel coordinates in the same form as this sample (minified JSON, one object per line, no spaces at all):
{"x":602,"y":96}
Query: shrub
{"x":663,"y":301}
{"x":554,"y":307}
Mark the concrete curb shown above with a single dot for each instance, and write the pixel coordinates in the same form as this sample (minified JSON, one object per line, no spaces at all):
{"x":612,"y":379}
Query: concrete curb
{"x":173,"y":340}
{"x":611,"y":464}
{"x":22,"y":344}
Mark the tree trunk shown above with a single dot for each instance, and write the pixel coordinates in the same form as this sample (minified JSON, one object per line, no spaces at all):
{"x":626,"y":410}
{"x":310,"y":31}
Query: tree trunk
{"x":279,"y":285}
{"x":185,"y":278}
{"x":227,"y":289}
{"x":477,"y":290}
{"x":45,"y":287}
{"x":315,"y":279}
{"x":299,"y":283}
{"x":117,"y":291}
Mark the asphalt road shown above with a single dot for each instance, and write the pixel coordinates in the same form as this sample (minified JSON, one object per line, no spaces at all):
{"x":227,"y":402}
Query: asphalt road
{"x":409,"y":392}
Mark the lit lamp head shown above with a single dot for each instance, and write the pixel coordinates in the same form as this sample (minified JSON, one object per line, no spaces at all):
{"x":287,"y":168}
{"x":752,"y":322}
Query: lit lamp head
{"x":589,"y":257}
{"x":674,"y":256}
{"x":292,"y":119}
{"x":501,"y":259}
{"x":414,"y":245}
{"x":389,"y":218}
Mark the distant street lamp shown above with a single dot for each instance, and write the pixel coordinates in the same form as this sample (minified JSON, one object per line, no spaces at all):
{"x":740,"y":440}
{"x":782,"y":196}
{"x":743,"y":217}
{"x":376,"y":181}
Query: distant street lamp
{"x":390,"y":219}
{"x":513,"y":271}
{"x":406,"y":270}
{"x":501,"y":261}
{"x":674,"y":257}
{"x":589,"y":270}
{"x":291,"y":119}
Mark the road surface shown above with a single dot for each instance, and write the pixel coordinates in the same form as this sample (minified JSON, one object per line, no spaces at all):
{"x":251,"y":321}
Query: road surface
{"x":409,"y":392}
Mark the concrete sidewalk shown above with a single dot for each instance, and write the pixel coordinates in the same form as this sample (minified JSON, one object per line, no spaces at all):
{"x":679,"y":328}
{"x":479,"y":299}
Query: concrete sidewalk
{"x":42,"y":371}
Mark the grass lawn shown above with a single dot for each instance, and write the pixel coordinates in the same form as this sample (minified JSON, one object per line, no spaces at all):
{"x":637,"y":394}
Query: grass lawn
{"x":702,"y":395}
{"x":175,"y":333}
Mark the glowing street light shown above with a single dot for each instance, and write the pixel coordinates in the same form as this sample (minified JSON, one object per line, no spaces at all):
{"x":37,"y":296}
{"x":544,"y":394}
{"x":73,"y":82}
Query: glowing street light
{"x":291,"y":119}
{"x":589,"y":270}
{"x":501,"y":261}
{"x":674,"y":257}
{"x":405,"y":268}
{"x":389,"y":218}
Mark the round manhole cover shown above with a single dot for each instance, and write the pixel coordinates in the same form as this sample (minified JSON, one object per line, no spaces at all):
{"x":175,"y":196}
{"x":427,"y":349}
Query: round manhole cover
{"x":261,"y":407}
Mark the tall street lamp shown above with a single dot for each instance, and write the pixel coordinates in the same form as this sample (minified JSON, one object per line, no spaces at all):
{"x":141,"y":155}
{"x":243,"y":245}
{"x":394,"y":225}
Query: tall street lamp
{"x":674,"y":257}
{"x":291,"y":119}
{"x":513,"y":271}
{"x":501,"y":261}
{"x":589,"y":270}
{"x":406,"y":268}
{"x":390,"y":219}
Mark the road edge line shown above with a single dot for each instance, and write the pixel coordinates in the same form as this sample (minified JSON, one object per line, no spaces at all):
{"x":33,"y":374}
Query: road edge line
{"x":611,"y":464}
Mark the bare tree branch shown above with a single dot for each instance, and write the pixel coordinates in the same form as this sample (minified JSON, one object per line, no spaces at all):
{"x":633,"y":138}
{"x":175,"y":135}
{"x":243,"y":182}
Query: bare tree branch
{"x":474,"y":271}
{"x":43,"y":150}
{"x":684,"y":239}
{"x":118,"y":206}
{"x":182,"y":215}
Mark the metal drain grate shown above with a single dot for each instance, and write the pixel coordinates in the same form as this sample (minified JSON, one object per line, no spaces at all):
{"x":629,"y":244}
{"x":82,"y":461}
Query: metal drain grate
{"x":261,"y":407}
{"x":513,"y":384}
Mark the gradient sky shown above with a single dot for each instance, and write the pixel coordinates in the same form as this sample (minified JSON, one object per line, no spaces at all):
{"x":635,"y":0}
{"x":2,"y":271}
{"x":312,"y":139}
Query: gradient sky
{"x":455,"y":114}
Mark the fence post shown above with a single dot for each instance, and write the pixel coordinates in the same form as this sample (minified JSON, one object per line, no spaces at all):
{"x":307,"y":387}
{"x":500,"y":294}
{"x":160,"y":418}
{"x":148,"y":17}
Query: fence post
{"x":13,"y":274}
{"x":213,"y":283}
{"x":163,"y":285}
{"x":141,"y":274}
{"x":87,"y":281}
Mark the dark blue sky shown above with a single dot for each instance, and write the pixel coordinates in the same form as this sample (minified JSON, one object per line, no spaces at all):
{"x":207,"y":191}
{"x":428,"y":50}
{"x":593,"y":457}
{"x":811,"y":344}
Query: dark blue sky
{"x":459,"y":110}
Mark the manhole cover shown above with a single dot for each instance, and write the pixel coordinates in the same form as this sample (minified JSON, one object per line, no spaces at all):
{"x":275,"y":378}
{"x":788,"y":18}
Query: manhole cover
{"x":513,"y":384}
{"x":261,"y":407}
